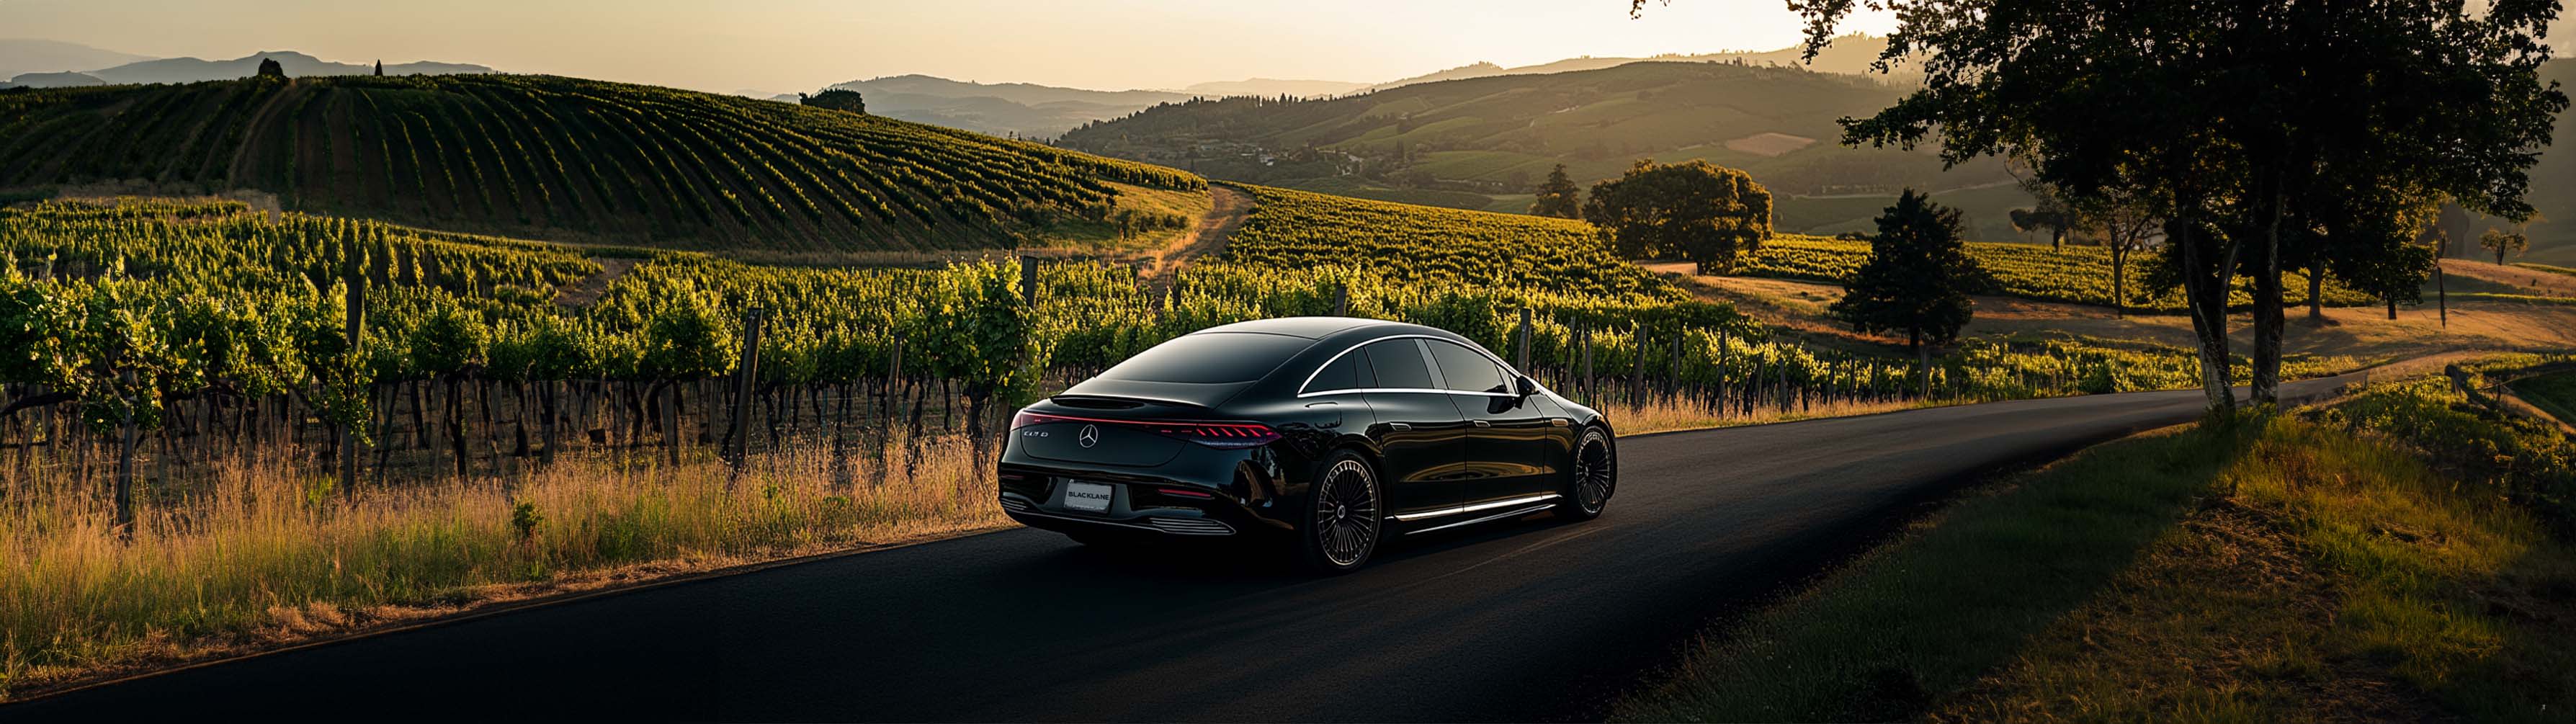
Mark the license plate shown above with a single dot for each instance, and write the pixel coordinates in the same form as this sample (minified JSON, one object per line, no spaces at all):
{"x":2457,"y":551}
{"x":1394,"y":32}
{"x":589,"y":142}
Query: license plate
{"x":1089,"y":497}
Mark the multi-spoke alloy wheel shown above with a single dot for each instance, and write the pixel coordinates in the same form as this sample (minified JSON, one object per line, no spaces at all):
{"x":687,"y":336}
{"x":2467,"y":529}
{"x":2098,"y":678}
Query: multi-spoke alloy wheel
{"x":1595,"y":475}
{"x":1344,"y":527}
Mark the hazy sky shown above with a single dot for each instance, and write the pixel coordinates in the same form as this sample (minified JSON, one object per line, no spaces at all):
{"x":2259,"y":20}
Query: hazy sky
{"x":787,"y":45}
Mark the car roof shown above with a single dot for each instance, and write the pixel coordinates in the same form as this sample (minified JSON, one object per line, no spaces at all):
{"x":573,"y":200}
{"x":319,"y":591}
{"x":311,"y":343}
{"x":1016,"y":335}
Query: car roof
{"x":1307,"y":327}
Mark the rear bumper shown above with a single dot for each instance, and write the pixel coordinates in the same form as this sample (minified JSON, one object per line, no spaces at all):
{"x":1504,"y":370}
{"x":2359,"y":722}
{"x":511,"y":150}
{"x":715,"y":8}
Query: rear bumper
{"x":1034,"y":496}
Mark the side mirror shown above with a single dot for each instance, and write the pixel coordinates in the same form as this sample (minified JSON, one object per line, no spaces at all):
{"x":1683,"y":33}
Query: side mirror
{"x":1525,"y":386}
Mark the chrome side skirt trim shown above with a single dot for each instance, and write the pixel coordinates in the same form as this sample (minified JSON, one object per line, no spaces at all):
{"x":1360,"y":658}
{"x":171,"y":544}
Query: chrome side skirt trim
{"x":1516,"y":512}
{"x":1488,"y":505}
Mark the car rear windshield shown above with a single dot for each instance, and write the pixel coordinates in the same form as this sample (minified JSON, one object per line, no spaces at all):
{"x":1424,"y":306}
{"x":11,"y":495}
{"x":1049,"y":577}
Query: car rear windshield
{"x":1210,"y":358}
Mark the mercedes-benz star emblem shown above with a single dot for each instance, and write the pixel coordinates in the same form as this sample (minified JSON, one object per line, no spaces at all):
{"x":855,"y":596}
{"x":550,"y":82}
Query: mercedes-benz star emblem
{"x":1090,"y":435}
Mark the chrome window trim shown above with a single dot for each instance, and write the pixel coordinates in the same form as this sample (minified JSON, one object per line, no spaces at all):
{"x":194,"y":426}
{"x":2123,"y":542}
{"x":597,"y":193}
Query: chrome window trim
{"x":1427,"y":361}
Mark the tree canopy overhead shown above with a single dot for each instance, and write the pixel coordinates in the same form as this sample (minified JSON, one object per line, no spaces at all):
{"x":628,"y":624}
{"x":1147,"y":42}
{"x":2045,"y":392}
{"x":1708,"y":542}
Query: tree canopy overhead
{"x":2243,"y":123}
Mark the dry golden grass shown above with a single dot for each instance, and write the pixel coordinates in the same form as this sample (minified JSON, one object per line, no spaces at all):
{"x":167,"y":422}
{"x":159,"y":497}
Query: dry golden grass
{"x":1669,"y":416}
{"x":264,"y":555}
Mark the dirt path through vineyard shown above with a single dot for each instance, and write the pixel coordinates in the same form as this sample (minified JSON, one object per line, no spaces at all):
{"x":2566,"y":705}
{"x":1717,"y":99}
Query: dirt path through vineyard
{"x":590,"y":288}
{"x":1208,"y":238}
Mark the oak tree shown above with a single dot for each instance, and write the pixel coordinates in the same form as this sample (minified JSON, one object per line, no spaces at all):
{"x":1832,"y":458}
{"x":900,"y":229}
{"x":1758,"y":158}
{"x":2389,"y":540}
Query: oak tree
{"x":1696,"y":210}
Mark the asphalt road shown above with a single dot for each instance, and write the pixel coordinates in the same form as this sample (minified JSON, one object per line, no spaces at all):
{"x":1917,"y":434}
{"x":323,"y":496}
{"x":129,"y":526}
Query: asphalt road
{"x":1520,"y":620}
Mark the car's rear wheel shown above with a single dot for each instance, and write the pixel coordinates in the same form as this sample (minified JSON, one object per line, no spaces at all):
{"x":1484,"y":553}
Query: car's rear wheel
{"x":1344,"y":515}
{"x":1593,"y":478}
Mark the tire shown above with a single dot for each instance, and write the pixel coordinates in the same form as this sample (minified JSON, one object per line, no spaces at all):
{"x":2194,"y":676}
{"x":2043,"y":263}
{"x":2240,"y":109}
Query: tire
{"x":1594,"y":476}
{"x":1345,"y":515}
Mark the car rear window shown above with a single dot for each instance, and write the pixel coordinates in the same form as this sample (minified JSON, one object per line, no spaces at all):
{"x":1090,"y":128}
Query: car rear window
{"x":1210,"y":358}
{"x":1347,"y":372}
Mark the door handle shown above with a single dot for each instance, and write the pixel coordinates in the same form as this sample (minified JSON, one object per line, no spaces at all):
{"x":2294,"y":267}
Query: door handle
{"x":1481,"y":423}
{"x":1398,"y":426}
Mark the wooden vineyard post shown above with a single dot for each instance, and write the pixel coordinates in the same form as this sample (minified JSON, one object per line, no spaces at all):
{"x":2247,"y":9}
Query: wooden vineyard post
{"x":1673,"y":367}
{"x":1029,"y":280}
{"x":1521,"y":358}
{"x":1725,"y":356}
{"x":745,"y":377}
{"x":125,"y":463}
{"x":671,"y":426}
{"x":1637,"y":342}
{"x":1585,"y":334}
{"x":354,"y":329}
{"x":885,"y":442}
{"x":1341,"y":299}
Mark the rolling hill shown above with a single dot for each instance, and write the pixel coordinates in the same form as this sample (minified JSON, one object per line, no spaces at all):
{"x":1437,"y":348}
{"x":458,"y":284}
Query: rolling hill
{"x":1273,"y":87}
{"x":1849,"y":54}
{"x":1027,"y":110}
{"x":562,"y":158}
{"x":2553,"y":182}
{"x":1496,"y":135}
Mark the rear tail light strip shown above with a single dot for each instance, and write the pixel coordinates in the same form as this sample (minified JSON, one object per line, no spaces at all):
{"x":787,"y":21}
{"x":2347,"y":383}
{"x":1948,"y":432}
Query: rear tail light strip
{"x":1211,"y":434}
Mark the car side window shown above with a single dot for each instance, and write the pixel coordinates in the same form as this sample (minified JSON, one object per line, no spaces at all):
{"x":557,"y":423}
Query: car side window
{"x":1398,"y":364}
{"x":1467,"y":370}
{"x":1347,"y":372}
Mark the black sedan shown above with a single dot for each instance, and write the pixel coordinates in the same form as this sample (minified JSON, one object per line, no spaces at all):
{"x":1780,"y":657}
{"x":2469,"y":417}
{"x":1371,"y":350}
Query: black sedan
{"x":1332,"y":433}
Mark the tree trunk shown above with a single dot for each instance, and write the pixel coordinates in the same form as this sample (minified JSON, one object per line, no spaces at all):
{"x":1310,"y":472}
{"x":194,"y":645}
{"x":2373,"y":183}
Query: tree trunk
{"x":2270,"y":321}
{"x":2205,"y":285}
{"x":2119,"y":284}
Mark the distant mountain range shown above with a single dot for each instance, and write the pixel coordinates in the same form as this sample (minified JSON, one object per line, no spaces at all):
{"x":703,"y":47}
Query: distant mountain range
{"x":34,"y":55}
{"x":191,"y":70}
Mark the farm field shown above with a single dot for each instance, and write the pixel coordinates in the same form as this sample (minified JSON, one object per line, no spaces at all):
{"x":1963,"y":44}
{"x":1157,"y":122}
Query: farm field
{"x":2078,"y":274}
{"x":1798,"y":309}
{"x":576,"y":160}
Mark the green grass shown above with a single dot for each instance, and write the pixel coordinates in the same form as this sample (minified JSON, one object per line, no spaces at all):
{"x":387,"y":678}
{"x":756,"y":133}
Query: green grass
{"x":2536,"y":266}
{"x":2555,"y":394}
{"x":1955,"y":597}
{"x":2075,"y":274}
{"x":2361,"y":563}
{"x":2505,"y":297}
{"x":1358,"y":189}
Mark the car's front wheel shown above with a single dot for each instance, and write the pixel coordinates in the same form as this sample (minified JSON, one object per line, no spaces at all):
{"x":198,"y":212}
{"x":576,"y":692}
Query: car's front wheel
{"x":1593,"y":478}
{"x":1343,"y":519}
